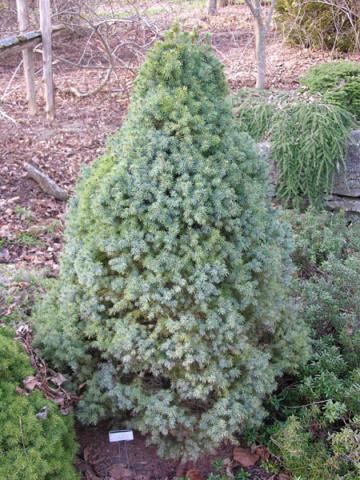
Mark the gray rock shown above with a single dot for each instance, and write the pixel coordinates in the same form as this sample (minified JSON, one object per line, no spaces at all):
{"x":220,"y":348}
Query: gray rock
{"x":347,"y":179}
{"x":264,"y":149}
{"x":348,"y":204}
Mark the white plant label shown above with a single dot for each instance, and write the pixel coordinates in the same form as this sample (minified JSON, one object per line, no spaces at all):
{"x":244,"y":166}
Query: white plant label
{"x":121,"y":436}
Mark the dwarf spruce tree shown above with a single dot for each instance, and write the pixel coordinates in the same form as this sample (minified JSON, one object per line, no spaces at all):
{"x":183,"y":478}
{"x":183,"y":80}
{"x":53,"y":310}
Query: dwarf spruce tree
{"x":171,"y":304}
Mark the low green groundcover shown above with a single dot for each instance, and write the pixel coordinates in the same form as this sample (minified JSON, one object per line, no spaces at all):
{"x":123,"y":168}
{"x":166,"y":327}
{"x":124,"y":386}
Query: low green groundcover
{"x":30,"y":448}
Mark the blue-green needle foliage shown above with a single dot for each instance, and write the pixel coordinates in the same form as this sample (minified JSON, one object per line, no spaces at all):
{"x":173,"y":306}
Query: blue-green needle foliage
{"x":171,"y":303}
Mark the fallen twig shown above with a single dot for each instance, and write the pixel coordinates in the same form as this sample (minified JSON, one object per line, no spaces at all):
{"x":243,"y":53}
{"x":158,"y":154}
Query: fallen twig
{"x":46,"y":183}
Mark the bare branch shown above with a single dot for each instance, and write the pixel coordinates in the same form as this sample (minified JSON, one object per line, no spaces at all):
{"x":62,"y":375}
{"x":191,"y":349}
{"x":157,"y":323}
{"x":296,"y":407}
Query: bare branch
{"x":45,"y":182}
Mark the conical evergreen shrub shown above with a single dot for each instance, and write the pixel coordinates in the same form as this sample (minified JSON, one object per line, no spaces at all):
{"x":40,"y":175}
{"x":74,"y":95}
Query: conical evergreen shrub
{"x":171,"y":304}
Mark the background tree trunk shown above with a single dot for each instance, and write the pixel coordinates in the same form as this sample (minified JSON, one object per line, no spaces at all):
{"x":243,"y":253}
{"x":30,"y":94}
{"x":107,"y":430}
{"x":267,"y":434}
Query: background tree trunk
{"x":28,"y":60}
{"x":46,"y":32}
{"x":212,"y":9}
{"x":260,"y":50}
{"x":262,"y":21}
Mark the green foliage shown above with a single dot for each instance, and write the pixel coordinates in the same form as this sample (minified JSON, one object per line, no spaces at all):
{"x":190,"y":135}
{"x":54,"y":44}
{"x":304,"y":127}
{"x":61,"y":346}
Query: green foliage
{"x":242,"y":475}
{"x":18,"y":289}
{"x":320,"y":235}
{"x":337,"y":82}
{"x":172,"y":299}
{"x":217,"y":464}
{"x":308,"y":139}
{"x":308,"y":146}
{"x":255,"y":111}
{"x":299,"y":454}
{"x":314,"y":460}
{"x":219,"y":471}
{"x":30,"y":448}
{"x":317,"y":409}
{"x":29,"y":240}
{"x":346,"y":447}
{"x":318,"y":25}
{"x":332,"y":310}
{"x":24,"y":213}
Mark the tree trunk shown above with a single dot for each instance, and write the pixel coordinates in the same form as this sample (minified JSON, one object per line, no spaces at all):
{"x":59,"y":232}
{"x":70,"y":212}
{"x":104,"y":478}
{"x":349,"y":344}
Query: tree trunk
{"x":260,"y":47}
{"x":28,"y":60}
{"x":212,"y":7}
{"x":46,"y":32}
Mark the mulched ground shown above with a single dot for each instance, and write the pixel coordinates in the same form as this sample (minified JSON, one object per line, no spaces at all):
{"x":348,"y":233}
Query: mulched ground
{"x":135,"y":460}
{"x":31,"y":222}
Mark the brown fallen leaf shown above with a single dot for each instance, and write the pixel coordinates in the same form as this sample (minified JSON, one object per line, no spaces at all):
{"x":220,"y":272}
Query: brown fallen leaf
{"x":58,"y":379}
{"x":244,"y":457}
{"x":91,"y":476}
{"x":30,"y":383}
{"x":262,"y":451}
{"x":21,"y":391}
{"x":194,"y":474}
{"x":118,"y":472}
{"x":66,"y":410}
{"x":59,"y":401}
{"x":87,"y":454}
{"x":283,"y":476}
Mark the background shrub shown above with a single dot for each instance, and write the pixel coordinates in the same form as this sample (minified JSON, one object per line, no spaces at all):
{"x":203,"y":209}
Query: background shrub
{"x":308,"y":140}
{"x":319,"y":235}
{"x":308,"y":145}
{"x":172,"y":300}
{"x":337,"y":456}
{"x":317,"y":411}
{"x":30,"y":448}
{"x":337,"y":82}
{"x":314,"y":25}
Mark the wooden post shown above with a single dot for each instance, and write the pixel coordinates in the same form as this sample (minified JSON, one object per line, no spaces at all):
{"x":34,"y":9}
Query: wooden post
{"x":28,"y":57}
{"x":46,"y":31}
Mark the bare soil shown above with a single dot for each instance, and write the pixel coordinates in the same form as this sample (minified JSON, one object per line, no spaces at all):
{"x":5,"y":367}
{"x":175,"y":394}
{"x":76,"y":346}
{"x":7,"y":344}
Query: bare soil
{"x":140,"y":461}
